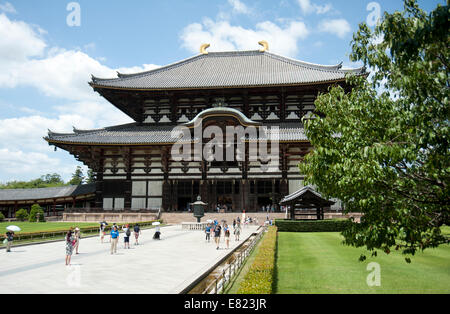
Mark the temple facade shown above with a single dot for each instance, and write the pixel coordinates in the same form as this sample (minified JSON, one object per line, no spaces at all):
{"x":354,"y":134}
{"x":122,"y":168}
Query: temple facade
{"x":223,"y":125}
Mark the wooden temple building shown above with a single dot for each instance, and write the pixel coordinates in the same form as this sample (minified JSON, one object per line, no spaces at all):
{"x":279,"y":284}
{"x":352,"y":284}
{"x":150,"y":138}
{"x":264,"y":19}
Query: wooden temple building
{"x":133,"y":163}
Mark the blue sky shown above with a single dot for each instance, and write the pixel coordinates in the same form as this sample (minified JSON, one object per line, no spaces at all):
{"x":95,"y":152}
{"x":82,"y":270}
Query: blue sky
{"x":45,"y":63}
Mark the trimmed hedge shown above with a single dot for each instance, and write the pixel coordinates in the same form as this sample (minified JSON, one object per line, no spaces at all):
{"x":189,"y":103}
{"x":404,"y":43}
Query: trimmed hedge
{"x":329,"y":225}
{"x":259,"y":279}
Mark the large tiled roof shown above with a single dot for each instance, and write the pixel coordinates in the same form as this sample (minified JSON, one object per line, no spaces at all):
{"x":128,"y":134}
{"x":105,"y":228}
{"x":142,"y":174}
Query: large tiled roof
{"x":227,"y":70}
{"x":46,"y":193}
{"x":135,"y":134}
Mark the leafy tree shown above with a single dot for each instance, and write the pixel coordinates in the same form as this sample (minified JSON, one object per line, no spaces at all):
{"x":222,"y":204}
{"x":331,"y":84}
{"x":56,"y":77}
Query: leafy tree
{"x":383,"y":147}
{"x":53,"y":179}
{"x":48,"y":180}
{"x":2,"y":217}
{"x":77,"y":177}
{"x":90,"y":176}
{"x":36,"y":213}
{"x":22,"y":214}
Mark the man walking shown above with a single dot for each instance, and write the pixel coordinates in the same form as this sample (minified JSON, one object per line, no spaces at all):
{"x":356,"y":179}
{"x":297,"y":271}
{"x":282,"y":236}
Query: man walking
{"x":137,"y":232}
{"x":208,"y":232}
{"x":114,"y":239}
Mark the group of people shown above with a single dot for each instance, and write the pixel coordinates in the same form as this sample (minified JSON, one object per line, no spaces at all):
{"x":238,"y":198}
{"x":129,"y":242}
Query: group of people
{"x":268,"y":208}
{"x":73,"y":237}
{"x":215,"y":230}
{"x":114,"y":235}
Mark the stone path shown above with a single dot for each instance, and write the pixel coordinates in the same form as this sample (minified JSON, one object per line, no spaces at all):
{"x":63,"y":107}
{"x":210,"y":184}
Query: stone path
{"x":164,"y":267}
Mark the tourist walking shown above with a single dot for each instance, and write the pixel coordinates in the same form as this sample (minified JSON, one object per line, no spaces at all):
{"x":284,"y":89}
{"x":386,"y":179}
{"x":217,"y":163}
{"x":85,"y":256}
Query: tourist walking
{"x":227,"y":236}
{"x":9,"y":240}
{"x":102,"y":232}
{"x":114,"y":239}
{"x":114,"y":225}
{"x":217,"y":231}
{"x":137,"y":233}
{"x":208,"y":232}
{"x":70,"y":241}
{"x":126,"y":237}
{"x":77,"y":236}
{"x":237,"y":232}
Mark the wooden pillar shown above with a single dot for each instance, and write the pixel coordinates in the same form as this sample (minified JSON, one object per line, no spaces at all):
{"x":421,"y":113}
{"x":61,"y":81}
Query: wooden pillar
{"x":127,"y":160}
{"x":246,"y":105}
{"x":166,"y":201}
{"x":204,"y":192}
{"x":273,"y":194}
{"x":54,"y":207}
{"x":98,"y":167}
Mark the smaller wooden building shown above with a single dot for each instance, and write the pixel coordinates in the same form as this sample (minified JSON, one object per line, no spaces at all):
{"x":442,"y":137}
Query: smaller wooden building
{"x":302,"y":201}
{"x":53,"y":200}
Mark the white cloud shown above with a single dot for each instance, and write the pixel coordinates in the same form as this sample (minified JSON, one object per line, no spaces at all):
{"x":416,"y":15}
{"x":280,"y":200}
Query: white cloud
{"x":17,"y":164}
{"x":19,"y":41}
{"x":225,"y":37}
{"x":339,"y":27}
{"x":27,"y":61}
{"x":7,"y":7}
{"x":307,"y":7}
{"x":239,"y":7}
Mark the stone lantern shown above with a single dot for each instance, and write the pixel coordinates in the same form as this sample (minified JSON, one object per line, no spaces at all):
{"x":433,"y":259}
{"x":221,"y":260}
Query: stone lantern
{"x":199,"y":209}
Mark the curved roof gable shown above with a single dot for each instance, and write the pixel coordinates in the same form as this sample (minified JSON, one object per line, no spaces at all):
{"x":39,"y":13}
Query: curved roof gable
{"x":222,"y":112}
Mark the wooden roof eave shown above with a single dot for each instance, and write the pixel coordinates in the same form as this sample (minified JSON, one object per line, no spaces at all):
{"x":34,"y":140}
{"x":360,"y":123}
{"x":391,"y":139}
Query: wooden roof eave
{"x":131,"y":89}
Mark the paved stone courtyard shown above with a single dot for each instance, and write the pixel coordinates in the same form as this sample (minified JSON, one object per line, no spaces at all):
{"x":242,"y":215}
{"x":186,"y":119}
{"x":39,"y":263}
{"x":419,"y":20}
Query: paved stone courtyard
{"x":166,"y":266}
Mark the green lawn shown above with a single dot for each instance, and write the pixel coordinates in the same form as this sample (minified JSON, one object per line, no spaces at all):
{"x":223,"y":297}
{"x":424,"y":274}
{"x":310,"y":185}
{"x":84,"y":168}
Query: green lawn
{"x":320,"y":263}
{"x":44,"y":226}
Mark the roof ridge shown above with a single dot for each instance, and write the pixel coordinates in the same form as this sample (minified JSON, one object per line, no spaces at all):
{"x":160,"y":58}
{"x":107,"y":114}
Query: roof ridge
{"x":122,"y":76}
{"x":317,"y":66}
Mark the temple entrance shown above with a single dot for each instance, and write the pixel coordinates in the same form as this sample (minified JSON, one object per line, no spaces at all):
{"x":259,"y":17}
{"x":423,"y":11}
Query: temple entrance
{"x":225,"y":203}
{"x":184,"y":203}
{"x":264,"y":201}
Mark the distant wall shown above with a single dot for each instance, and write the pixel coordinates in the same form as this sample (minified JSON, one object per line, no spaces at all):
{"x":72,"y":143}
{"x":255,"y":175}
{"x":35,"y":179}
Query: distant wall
{"x":109,"y":217}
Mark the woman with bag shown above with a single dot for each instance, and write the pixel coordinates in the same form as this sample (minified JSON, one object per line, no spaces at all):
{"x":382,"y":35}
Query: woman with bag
{"x":9,"y":240}
{"x":70,"y":242}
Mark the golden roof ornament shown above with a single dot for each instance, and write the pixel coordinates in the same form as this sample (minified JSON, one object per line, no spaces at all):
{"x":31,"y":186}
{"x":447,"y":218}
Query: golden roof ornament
{"x":265,"y":45}
{"x":203,"y":49}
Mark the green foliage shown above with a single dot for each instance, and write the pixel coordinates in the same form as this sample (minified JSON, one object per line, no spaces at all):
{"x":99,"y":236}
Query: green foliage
{"x":22,"y":214}
{"x":2,"y":217}
{"x":259,"y":279}
{"x":36,"y":211}
{"x":46,"y":181}
{"x":90,"y":176}
{"x":77,"y":177}
{"x":331,"y":225}
{"x":383,"y":147}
